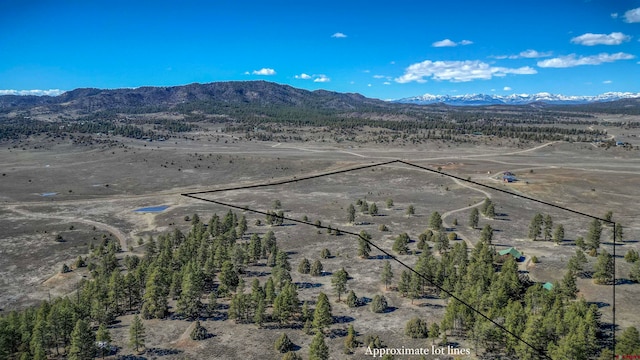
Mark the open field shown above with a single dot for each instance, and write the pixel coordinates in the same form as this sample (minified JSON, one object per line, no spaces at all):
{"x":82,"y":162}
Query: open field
{"x":97,"y":190}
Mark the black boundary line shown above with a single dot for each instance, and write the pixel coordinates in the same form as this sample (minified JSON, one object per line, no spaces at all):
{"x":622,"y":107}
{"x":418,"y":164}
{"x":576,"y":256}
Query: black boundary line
{"x":284,"y":182}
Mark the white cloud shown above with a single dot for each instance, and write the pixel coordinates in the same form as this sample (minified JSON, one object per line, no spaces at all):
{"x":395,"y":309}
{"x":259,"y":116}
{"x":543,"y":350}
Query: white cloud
{"x":37,"y":92}
{"x":607,"y":82}
{"x":264,"y":71}
{"x":303,"y":76}
{"x":614,"y":15}
{"x":386,"y":83}
{"x":378,"y":76}
{"x":321,"y":78}
{"x":632,"y":16}
{"x":589,"y":39}
{"x":339,"y":35}
{"x":450,"y":43}
{"x":247,"y":73}
{"x":444,"y":43}
{"x":573,"y":60}
{"x":532,"y":54}
{"x":507,"y":88}
{"x":457,"y":71}
{"x":527,"y":54}
{"x":369,"y":85}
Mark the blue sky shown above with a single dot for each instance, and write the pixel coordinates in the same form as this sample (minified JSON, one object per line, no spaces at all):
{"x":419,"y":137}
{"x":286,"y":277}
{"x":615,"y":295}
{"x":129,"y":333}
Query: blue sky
{"x":382,"y":49}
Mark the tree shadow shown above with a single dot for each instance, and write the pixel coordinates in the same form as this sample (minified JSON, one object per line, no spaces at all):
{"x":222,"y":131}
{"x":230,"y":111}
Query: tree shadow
{"x":342,"y":319}
{"x":307,"y":285}
{"x":163,"y":352}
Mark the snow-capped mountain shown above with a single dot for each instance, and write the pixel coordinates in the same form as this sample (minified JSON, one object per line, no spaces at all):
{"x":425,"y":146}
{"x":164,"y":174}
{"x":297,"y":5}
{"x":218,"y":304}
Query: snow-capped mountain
{"x":514,"y":99}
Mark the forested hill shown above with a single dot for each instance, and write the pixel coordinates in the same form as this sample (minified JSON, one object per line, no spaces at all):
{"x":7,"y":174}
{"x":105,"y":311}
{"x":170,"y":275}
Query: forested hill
{"x":166,"y":98}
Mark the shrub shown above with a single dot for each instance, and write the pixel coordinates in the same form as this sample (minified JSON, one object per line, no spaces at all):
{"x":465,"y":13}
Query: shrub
{"x":378,"y":304}
{"x":453,"y":236}
{"x":631,"y":256}
{"x":416,"y":328}
{"x":198,"y":332}
{"x":65,"y":268}
{"x":535,"y":260}
{"x":325,"y":254}
{"x":383,"y":227}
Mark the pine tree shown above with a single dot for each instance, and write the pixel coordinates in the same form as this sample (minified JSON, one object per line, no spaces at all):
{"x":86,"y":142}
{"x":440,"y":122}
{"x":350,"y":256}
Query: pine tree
{"x":378,"y":304}
{"x":416,"y":328}
{"x":535,"y":227}
{"x":350,"y":341}
{"x":435,"y":221}
{"x":283,"y":344}
{"x":373,"y":209}
{"x":228,"y":276}
{"x":548,"y":226}
{"x":491,"y":211}
{"x":405,"y":283}
{"x":103,"y":337}
{"x":363,"y":245}
{"x":595,"y":232}
{"x":352,"y":299}
{"x":322,"y":315}
{"x":304,"y":267}
{"x":387,"y":274}
{"x":316,"y":268}
{"x":291,"y":356}
{"x":474,"y":218}
{"x":82,"y":342}
{"x":198,"y":332}
{"x":434,"y":332}
{"x":260,"y":313}
{"x":400,"y":244}
{"x":155,"y":296}
{"x":568,"y":285}
{"x":339,"y":282}
{"x":634,"y":274}
{"x":351,"y":213}
{"x":411,"y":210}
{"x":629,"y":342}
{"x":485,"y":205}
{"x":189,"y":303}
{"x":534,"y":336}
{"x":318,"y":350}
{"x":389,"y":203}
{"x":558,"y":235}
{"x":487,"y":234}
{"x":136,"y":334}
{"x":617,"y":232}
{"x":603,"y":270}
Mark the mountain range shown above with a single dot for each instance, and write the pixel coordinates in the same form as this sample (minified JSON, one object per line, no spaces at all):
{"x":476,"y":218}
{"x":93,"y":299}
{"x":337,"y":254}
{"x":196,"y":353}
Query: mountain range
{"x":515,"y":99}
{"x":262,"y":94}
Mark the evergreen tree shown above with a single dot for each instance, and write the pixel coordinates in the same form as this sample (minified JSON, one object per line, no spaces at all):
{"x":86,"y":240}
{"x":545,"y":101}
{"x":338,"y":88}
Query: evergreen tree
{"x":103,"y":337}
{"x":435,"y":221}
{"x":411,"y":210}
{"x":534,"y":336}
{"x":352,"y":299}
{"x":260,"y":313}
{"x":304,"y":267}
{"x":617,"y":232}
{"x":373,"y":209}
{"x":548,"y":226}
{"x":485,"y":205}
{"x":198,"y":332}
{"x":595,"y":232}
{"x":400,"y":244}
{"x":603,"y":270}
{"x":558,"y":235}
{"x":387,"y":274}
{"x":322,"y":315}
{"x":136,"y":334}
{"x":389,"y":203}
{"x":82,"y":342}
{"x":378,"y":304}
{"x":269,"y":291}
{"x":486,"y":235}
{"x":350,"y":341}
{"x":318,"y":350}
{"x":474,"y":218}
{"x":416,"y":328}
{"x":434,"y":332}
{"x":363,"y":245}
{"x":491,"y":211}
{"x":316,"y":268}
{"x":631,"y":256}
{"x":405,"y":283}
{"x":628,"y":342}
{"x":351,"y":213}
{"x":283,"y":344}
{"x":228,"y":276}
{"x":339,"y":282}
{"x":155,"y":296}
{"x":535,"y":227}
{"x":568,"y":285}
{"x":634,"y":274}
{"x":189,"y":303}
{"x":325,"y":253}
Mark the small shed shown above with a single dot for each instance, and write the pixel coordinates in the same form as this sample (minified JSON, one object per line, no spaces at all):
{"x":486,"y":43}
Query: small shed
{"x":548,"y":286}
{"x":511,"y":251}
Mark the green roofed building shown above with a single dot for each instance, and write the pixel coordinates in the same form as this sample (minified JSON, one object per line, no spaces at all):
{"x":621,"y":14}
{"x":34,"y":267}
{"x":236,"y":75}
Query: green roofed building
{"x":511,"y":251}
{"x":548,"y":286}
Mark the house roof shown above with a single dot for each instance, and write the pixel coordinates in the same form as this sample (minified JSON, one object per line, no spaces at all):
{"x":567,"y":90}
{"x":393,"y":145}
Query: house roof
{"x":548,"y":286}
{"x":512,"y":251}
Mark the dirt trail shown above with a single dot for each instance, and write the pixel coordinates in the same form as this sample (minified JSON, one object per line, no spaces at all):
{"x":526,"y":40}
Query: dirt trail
{"x":122,"y":237}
